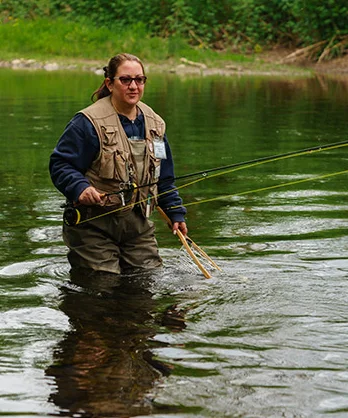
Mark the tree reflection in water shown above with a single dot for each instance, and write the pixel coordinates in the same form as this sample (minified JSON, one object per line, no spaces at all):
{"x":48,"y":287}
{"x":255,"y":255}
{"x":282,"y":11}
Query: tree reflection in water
{"x":104,"y":366}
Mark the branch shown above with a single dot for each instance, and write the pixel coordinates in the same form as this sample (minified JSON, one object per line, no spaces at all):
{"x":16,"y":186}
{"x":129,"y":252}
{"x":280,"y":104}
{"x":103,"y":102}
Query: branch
{"x":326,"y":50}
{"x":303,"y":52}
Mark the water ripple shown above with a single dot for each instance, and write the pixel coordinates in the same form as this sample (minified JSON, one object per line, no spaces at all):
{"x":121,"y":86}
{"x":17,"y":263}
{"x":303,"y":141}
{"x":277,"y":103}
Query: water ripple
{"x":53,"y":267}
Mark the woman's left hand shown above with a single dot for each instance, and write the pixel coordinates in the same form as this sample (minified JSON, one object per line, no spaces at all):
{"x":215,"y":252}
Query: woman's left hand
{"x":181,"y":226}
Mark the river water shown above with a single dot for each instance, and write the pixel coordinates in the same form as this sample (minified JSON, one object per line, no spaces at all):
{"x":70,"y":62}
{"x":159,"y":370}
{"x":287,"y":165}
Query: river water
{"x":266,"y":337}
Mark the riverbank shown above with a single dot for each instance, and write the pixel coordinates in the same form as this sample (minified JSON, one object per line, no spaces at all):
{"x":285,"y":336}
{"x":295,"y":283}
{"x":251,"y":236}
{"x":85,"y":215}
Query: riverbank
{"x":271,"y":63}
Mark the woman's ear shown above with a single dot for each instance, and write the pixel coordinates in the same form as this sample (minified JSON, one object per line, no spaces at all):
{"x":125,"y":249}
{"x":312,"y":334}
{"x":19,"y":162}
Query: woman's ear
{"x":109,"y":83}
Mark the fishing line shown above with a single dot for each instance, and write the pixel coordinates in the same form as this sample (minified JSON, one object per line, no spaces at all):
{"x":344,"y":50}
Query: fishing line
{"x":276,"y":186}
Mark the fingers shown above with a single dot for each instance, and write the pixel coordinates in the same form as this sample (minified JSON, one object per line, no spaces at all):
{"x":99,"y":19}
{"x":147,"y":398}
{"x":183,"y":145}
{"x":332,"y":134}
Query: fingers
{"x":90,"y":196}
{"x":181,"y":226}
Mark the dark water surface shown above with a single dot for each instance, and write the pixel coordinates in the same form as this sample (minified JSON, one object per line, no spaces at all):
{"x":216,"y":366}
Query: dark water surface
{"x":267,"y":337}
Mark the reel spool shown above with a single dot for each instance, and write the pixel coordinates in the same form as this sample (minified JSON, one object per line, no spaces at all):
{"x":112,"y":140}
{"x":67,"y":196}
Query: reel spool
{"x":71,"y":216}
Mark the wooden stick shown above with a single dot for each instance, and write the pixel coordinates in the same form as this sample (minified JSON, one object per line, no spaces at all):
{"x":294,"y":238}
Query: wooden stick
{"x":194,"y":245}
{"x":203,"y":253}
{"x":185,"y":244}
{"x":190,"y":241}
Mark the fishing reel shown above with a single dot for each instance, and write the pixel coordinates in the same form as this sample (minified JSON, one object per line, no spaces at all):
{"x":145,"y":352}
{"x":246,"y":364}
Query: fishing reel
{"x":71,"y":215}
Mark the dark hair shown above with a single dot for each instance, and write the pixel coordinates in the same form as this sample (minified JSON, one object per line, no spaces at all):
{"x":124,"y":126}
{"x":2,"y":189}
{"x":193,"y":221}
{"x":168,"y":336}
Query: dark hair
{"x":110,"y":71}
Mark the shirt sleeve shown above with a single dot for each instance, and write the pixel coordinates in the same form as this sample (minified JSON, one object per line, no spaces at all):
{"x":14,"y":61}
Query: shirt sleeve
{"x":74,"y":153}
{"x":169,"y":199}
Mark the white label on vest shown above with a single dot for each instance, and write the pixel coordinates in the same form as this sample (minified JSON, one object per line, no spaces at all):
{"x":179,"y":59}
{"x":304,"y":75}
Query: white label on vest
{"x":160,"y":148}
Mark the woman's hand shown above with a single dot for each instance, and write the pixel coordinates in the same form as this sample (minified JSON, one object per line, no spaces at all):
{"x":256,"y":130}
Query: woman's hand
{"x":90,"y":196}
{"x":181,"y":226}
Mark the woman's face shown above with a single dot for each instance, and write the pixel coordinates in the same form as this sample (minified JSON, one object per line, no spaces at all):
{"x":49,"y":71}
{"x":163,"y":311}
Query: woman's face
{"x":123,"y":94}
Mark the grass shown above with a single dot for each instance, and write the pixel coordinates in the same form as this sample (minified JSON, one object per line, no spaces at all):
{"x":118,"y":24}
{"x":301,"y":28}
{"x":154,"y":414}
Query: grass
{"x":59,"y":39}
{"x":82,"y":45}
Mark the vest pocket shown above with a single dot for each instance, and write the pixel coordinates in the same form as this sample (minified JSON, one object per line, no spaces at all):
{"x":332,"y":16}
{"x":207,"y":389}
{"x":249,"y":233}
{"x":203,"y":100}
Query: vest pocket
{"x":107,"y":165}
{"x":121,"y":172}
{"x":110,"y":135}
{"x":108,"y":152}
{"x":155,"y":168}
{"x":113,"y":165}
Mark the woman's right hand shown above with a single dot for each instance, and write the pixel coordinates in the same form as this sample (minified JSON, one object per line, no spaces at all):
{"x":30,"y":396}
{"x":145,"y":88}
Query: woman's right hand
{"x":90,"y":196}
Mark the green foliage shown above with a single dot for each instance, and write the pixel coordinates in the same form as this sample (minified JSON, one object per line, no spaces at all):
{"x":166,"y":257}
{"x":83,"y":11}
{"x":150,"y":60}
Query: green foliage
{"x":29,"y":9}
{"x":321,"y":20}
{"x":222,"y":25}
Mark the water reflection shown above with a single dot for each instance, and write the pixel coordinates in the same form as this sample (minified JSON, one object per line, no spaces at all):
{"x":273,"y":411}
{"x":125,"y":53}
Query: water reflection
{"x":267,"y":338}
{"x":104,"y":365}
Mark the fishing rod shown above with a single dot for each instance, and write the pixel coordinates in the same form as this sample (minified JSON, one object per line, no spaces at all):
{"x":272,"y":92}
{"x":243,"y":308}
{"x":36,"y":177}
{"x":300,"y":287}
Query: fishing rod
{"x":276,"y":157}
{"x":262,"y":189}
{"x":73,"y":216}
{"x":243,"y":164}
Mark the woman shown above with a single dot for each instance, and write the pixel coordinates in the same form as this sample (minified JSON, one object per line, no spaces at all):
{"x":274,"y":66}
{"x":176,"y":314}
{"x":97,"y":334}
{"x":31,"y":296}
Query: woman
{"x":114,"y":157}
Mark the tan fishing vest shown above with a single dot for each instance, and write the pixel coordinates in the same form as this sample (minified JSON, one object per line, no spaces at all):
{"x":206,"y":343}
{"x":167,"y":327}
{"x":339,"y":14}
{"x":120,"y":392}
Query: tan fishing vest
{"x":115,"y":168}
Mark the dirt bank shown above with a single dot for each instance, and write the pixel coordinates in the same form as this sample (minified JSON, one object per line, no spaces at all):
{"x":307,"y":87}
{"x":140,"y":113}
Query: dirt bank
{"x":281,"y":56}
{"x":274,"y":62}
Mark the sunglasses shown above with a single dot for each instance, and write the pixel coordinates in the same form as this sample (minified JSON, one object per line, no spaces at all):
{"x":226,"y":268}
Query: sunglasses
{"x":127,"y":81}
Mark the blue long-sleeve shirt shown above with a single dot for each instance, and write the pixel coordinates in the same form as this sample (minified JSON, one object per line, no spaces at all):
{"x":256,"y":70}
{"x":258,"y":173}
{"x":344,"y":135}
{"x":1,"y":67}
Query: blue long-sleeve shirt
{"x":79,"y":146}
